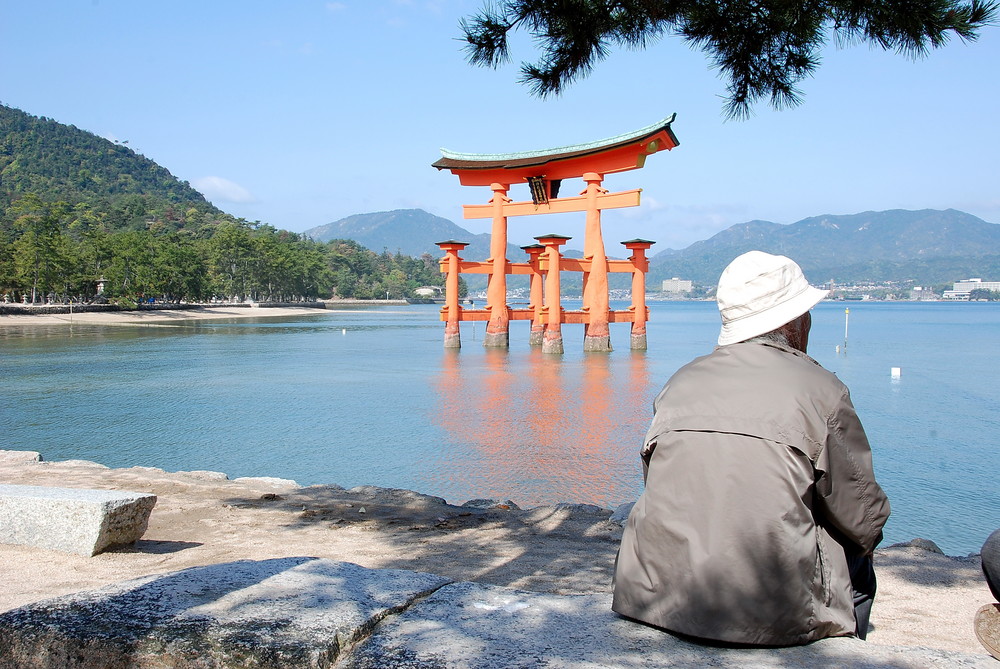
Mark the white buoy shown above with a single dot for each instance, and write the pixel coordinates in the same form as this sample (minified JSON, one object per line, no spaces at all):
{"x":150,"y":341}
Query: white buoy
{"x":895,"y":372}
{"x":344,"y":331}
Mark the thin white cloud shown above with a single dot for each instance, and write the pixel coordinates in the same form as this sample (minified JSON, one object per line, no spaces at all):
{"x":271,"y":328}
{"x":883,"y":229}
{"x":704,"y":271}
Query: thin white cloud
{"x":335,"y":6}
{"x":218,"y":189}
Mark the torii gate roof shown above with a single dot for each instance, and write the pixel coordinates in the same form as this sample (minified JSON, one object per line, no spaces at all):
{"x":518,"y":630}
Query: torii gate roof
{"x":614,"y":154}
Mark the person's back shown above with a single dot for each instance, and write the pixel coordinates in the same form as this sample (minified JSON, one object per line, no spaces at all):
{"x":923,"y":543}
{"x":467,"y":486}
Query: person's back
{"x":754,"y":460}
{"x":736,"y":562}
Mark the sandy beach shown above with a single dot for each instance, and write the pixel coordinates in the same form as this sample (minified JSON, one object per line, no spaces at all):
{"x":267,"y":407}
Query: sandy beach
{"x":925,"y":599}
{"x":155,"y":316}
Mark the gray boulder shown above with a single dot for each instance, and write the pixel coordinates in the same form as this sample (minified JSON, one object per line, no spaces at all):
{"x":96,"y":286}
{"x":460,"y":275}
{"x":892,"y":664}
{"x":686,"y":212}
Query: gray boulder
{"x":73,"y":520}
{"x":620,"y":516}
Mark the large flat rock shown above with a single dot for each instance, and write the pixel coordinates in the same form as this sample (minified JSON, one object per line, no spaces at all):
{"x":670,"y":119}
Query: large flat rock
{"x":317,"y":613}
{"x":289,"y":613}
{"x":476,"y":626}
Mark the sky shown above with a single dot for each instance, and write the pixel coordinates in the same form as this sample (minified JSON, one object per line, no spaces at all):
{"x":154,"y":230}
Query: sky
{"x":300,"y":113}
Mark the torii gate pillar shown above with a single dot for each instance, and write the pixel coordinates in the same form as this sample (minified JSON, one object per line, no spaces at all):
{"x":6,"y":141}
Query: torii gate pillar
{"x":597,"y":336}
{"x":638,"y":247}
{"x":552,"y":312}
{"x":536,"y":293}
{"x":498,"y":327}
{"x":452,"y":311}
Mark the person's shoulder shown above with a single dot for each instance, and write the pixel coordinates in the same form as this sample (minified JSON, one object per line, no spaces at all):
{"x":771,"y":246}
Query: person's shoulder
{"x":699,"y":363}
{"x":792,"y":361}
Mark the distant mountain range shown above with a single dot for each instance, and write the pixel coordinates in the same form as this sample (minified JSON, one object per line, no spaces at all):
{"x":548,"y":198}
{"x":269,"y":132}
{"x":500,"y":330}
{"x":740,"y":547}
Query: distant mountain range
{"x":927,"y":247}
{"x":414,"y":232}
{"x":411,"y":232}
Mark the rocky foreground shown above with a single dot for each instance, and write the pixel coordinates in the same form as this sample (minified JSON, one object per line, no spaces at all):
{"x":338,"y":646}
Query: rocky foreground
{"x":265,"y":571}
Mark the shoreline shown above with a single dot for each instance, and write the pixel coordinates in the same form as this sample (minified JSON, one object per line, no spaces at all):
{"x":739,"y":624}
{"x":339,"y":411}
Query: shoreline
{"x":201,"y":518}
{"x":164,"y":316}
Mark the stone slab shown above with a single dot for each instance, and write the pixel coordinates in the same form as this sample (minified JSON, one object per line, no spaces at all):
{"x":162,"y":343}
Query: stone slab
{"x":476,"y":626}
{"x":72,"y":520}
{"x":282,"y":613}
{"x":19,"y":457}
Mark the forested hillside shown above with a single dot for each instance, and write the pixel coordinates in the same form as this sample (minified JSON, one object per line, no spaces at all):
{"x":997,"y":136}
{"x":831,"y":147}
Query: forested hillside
{"x":63,"y":163}
{"x":76,"y":208}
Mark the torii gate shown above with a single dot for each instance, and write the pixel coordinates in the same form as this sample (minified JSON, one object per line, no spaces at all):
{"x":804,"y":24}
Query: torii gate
{"x":544,"y":172}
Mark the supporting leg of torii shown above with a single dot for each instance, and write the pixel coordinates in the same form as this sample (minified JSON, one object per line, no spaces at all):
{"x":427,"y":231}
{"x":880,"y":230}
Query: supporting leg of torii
{"x":452,"y":311}
{"x":498,"y":327}
{"x":640,"y":265}
{"x":552,"y":341}
{"x":597,"y":335}
{"x":537,"y":295}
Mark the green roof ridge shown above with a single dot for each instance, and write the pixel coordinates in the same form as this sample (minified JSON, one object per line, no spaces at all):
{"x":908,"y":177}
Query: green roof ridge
{"x":618,"y":139}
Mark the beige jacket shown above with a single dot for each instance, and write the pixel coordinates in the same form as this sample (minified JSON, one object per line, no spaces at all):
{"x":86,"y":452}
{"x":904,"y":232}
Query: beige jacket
{"x":755,"y":465}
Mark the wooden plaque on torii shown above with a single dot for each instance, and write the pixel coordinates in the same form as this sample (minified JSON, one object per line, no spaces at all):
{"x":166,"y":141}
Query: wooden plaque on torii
{"x":544,"y":172}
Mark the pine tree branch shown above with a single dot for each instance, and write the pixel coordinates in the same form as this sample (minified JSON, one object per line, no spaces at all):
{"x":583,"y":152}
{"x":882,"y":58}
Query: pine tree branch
{"x":762,"y":48}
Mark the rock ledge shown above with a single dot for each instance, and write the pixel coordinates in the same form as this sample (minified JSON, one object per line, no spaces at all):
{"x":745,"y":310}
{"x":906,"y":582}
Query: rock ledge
{"x":311,"y":612}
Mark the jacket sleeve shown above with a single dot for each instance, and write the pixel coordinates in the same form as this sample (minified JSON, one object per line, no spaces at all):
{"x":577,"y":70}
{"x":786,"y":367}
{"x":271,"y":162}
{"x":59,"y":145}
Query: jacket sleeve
{"x":850,"y":501}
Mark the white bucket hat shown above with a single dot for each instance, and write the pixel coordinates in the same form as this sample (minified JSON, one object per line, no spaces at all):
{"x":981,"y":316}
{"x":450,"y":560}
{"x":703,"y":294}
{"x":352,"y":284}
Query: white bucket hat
{"x":759,"y":292}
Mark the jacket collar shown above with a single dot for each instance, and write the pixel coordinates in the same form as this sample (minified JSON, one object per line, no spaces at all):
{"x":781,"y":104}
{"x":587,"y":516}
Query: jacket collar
{"x":771,"y":344}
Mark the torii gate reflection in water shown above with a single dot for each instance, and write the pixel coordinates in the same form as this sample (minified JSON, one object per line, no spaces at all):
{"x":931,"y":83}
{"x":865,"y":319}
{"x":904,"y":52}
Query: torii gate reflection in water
{"x":544,"y":172}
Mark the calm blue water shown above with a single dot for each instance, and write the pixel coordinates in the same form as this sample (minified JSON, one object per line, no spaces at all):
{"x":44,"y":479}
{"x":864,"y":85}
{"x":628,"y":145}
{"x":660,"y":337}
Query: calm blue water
{"x":369,"y":396}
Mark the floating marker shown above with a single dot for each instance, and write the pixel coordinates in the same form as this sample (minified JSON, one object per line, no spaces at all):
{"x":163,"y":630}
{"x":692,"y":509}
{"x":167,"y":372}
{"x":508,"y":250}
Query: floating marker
{"x":344,"y":331}
{"x":895,"y":372}
{"x":847,"y":315}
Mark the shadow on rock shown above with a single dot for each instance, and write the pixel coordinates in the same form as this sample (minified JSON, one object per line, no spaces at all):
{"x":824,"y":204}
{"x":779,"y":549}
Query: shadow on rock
{"x":282,"y":613}
{"x":566,"y":548}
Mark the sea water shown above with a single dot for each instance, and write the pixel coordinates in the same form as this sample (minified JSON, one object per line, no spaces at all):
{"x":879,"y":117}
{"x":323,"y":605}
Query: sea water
{"x":370,"y":396}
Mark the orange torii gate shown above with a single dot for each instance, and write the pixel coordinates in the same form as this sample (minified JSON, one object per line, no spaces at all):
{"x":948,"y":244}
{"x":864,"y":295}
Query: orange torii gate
{"x":544,"y":172}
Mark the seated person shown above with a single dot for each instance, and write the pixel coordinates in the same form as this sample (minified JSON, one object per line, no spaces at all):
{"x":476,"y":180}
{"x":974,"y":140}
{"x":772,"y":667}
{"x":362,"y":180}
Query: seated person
{"x":760,"y":510}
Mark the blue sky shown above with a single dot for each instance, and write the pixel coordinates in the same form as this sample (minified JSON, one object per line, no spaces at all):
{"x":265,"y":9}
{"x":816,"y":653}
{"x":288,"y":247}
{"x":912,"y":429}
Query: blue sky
{"x":300,"y":113}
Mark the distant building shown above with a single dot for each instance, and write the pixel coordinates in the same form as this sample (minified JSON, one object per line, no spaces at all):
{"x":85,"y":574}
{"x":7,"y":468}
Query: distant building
{"x":969,"y":285}
{"x":676,"y":285}
{"x":962,"y":290}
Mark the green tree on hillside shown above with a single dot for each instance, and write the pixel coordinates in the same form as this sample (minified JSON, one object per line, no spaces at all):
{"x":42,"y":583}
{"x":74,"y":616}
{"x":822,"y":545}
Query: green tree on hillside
{"x":230,"y":255}
{"x":94,"y":250}
{"x":131,"y":269}
{"x":40,"y":252}
{"x":178,"y":269}
{"x":763,"y":49}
